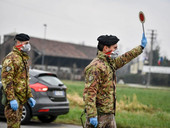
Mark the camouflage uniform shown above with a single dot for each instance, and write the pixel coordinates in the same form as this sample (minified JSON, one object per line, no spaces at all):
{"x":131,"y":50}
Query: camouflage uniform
{"x":15,"y":80}
{"x":100,"y":86}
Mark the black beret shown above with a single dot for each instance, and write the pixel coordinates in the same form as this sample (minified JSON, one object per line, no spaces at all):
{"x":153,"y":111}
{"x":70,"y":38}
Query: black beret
{"x":107,"y":40}
{"x":22,"y":37}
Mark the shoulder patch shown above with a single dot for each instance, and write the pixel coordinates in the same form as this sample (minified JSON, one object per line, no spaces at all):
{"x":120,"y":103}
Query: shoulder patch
{"x":8,"y":68}
{"x":90,"y":78}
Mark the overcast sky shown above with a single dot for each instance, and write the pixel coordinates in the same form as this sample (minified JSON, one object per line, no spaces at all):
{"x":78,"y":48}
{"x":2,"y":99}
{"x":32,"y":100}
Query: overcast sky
{"x":82,"y":21}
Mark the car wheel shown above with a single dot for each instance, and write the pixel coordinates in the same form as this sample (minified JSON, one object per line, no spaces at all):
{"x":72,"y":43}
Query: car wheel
{"x":26,"y":114}
{"x":47,"y":119}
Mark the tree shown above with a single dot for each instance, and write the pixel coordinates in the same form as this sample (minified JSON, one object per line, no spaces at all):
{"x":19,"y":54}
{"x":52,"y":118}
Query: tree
{"x":165,"y":62}
{"x":156,"y":55}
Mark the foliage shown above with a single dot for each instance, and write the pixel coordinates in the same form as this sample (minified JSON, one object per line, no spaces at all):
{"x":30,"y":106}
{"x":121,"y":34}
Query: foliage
{"x":160,"y":79}
{"x":165,"y":62}
{"x":156,"y":56}
{"x":133,"y":78}
{"x":156,"y":79}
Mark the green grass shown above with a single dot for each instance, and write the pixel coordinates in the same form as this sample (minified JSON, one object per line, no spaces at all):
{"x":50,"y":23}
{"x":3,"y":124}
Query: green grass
{"x":155,"y":101}
{"x":156,"y":97}
{"x":142,"y":120}
{"x":74,"y":86}
{"x":73,"y":117}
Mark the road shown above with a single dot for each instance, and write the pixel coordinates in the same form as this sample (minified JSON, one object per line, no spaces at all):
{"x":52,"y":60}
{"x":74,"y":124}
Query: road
{"x":36,"y":124}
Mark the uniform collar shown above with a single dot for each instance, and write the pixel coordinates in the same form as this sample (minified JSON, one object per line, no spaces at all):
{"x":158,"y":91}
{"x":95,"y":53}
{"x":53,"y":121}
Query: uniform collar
{"x":21,"y":53}
{"x":102,"y":56}
{"x":106,"y":59}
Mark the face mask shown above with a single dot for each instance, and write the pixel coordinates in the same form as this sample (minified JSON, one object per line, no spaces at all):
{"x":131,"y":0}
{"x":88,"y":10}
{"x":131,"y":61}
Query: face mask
{"x":109,"y":53}
{"x":26,"y":47}
{"x":114,"y":54}
{"x":19,"y":46}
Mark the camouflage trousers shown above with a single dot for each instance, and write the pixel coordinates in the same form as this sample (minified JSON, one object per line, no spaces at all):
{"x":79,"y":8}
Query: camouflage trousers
{"x":104,"y":121}
{"x":13,"y":117}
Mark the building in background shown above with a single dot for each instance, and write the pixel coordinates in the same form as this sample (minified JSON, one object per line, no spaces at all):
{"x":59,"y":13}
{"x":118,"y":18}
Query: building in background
{"x":67,"y":60}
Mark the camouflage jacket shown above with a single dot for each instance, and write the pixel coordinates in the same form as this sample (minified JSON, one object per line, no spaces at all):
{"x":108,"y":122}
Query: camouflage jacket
{"x":15,"y":76}
{"x":100,"y":82}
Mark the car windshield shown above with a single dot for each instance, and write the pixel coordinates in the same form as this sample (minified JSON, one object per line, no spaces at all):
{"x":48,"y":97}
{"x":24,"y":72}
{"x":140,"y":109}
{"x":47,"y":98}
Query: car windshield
{"x":50,"y":79}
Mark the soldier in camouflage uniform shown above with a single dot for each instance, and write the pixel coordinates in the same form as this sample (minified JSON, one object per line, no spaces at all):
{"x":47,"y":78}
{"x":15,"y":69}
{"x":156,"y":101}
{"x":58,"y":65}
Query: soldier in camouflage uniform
{"x":15,"y":80}
{"x":100,"y":81}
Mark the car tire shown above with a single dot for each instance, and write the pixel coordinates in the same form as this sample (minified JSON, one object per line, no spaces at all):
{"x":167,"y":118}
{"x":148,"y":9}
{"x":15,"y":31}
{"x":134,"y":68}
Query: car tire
{"x":47,"y":119}
{"x":26,"y":114}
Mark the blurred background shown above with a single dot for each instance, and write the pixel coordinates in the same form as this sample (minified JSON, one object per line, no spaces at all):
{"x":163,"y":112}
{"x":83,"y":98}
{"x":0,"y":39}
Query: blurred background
{"x":64,"y":39}
{"x":64,"y":35}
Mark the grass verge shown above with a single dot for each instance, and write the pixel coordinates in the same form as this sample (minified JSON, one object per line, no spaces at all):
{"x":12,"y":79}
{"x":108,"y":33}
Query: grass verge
{"x":136,"y":107}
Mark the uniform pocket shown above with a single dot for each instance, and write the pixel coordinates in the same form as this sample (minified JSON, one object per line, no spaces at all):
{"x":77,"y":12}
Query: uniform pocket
{"x":4,"y":99}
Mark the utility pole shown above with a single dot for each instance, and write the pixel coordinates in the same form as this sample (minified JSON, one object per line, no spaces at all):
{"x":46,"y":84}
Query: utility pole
{"x":0,"y":50}
{"x":43,"y":57}
{"x":45,"y":30}
{"x":153,"y":37}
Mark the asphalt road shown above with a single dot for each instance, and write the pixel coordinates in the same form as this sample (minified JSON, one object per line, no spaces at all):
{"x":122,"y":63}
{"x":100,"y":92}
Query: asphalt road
{"x":36,"y":124}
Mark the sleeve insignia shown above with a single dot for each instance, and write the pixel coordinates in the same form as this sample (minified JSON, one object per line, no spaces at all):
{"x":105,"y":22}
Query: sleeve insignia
{"x":90,"y":78}
{"x":8,"y":68}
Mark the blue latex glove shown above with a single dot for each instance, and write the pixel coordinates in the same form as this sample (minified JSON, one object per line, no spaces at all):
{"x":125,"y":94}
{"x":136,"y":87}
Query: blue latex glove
{"x":144,"y":41}
{"x":14,"y":104}
{"x":32,"y":102}
{"x":94,"y":121}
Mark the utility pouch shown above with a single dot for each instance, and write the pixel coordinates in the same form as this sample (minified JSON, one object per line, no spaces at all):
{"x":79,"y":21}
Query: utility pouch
{"x":4,"y":99}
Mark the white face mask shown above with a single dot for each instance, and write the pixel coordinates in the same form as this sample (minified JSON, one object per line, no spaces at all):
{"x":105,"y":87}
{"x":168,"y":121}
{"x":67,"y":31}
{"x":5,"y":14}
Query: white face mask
{"x":26,"y":47}
{"x":114,"y":54}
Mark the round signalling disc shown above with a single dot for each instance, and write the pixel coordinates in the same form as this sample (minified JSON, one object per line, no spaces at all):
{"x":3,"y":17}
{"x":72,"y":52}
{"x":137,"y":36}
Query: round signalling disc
{"x":141,"y":17}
